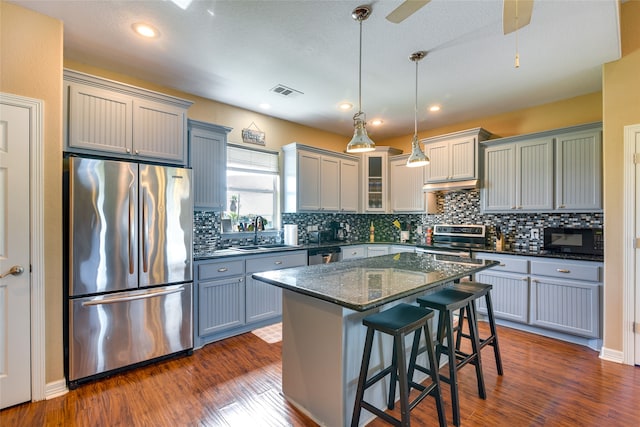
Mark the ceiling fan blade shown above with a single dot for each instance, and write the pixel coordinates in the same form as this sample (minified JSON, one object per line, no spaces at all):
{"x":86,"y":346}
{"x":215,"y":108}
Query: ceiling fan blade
{"x":405,"y":10}
{"x":512,"y":9}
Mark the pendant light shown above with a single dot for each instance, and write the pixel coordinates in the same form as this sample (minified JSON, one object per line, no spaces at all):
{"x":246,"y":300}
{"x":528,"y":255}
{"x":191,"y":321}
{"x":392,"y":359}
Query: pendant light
{"x":417,"y":157}
{"x":360,"y":143}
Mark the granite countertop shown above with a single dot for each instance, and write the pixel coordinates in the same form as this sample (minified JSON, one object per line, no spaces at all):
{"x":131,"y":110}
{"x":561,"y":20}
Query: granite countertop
{"x":546,"y":254}
{"x":367,"y":283}
{"x":239,"y":252}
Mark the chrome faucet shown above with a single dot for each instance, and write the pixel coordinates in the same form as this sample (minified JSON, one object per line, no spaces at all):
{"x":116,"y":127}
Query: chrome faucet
{"x":258,"y":220}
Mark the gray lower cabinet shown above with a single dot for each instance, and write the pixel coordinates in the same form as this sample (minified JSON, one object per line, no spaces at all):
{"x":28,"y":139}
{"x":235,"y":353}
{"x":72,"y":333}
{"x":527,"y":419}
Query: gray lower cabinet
{"x":551,"y":294}
{"x":510,"y":293}
{"x":229,"y":302}
{"x":565,"y":296}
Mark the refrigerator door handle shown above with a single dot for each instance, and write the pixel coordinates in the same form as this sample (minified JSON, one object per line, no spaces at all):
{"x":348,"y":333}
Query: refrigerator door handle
{"x":145,"y":231}
{"x":132,"y":230}
{"x":147,"y":294}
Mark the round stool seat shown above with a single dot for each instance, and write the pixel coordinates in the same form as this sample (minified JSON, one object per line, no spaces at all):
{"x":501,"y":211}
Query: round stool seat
{"x":446,"y":299}
{"x":401,"y":318}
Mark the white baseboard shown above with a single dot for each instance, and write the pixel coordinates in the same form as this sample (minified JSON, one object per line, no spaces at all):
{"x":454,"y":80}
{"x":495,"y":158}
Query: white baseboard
{"x":56,"y":389}
{"x":612,"y":355}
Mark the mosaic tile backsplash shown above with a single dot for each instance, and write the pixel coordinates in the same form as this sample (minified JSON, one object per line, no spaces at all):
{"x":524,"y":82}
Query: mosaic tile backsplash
{"x":457,"y":207}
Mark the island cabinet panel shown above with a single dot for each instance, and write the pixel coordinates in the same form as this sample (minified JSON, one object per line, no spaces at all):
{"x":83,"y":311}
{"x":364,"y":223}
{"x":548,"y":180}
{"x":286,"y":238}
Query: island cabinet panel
{"x":113,"y":119}
{"x":208,"y":160}
{"x":579,"y":171}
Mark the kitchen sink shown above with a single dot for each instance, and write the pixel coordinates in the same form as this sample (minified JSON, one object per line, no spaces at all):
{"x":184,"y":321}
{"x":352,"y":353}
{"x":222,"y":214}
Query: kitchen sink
{"x":259,"y":247}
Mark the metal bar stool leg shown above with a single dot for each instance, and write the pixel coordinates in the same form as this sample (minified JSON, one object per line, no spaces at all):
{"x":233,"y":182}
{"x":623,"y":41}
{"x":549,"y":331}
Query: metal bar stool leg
{"x":364,"y":368}
{"x":475,"y":345}
{"x":494,"y":334}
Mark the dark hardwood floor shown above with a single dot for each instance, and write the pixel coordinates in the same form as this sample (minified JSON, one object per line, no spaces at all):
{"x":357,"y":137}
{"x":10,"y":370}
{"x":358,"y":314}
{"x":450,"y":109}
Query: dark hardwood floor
{"x":237,"y":382}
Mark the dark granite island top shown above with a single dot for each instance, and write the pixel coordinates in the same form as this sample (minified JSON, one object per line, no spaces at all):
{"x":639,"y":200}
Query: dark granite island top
{"x":368,"y":283}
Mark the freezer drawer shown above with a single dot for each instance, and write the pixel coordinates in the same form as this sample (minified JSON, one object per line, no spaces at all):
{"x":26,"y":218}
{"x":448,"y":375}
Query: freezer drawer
{"x":112,"y":331}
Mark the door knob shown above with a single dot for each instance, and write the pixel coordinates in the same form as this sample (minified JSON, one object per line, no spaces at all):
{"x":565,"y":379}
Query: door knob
{"x":16,"y":270}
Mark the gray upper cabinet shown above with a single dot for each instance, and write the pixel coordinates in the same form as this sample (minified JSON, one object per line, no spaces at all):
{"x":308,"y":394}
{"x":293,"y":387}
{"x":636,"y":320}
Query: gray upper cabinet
{"x":454,"y":156}
{"x":208,"y":158}
{"x":317,"y":180}
{"x":109,"y":118}
{"x":558,"y":170}
{"x":406,"y":186}
{"x":518,"y":176}
{"x":579,"y":171}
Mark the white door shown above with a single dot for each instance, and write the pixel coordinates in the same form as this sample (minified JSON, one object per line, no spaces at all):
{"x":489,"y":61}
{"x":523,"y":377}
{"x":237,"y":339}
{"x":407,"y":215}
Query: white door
{"x":15,"y":336}
{"x":637,"y":257}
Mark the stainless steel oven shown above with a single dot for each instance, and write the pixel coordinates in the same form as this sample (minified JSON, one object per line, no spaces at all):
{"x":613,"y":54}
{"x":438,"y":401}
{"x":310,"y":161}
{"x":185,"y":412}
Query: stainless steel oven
{"x":455,"y":240}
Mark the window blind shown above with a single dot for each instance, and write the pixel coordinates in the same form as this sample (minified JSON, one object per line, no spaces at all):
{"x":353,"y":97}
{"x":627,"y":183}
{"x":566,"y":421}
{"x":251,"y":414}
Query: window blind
{"x":241,"y":158}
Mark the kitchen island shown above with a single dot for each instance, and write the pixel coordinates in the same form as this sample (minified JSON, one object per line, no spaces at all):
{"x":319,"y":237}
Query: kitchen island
{"x":323,"y":335}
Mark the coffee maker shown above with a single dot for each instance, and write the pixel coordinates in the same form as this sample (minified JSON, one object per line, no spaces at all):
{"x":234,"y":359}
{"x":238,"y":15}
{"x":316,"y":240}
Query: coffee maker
{"x":338,"y":231}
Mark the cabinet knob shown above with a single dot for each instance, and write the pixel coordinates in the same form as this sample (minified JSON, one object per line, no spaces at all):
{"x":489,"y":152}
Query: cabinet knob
{"x":128,"y":150}
{"x":137,"y":152}
{"x":562,"y":206}
{"x":563,"y":270}
{"x":513,"y":207}
{"x":222,"y":269}
{"x":278,"y":262}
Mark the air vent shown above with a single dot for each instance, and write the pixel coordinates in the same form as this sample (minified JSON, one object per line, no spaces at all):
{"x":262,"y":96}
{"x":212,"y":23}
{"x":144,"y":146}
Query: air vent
{"x":285,"y":91}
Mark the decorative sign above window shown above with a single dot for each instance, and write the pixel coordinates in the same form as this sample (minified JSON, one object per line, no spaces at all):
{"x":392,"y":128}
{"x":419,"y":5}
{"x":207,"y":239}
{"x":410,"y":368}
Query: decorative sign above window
{"x":253,"y":136}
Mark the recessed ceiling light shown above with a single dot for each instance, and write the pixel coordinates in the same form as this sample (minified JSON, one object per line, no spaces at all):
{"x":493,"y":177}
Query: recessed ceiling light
{"x":145,"y":30}
{"x":376,"y":122}
{"x":434,"y":108}
{"x":345,"y":106}
{"x":265,"y":106}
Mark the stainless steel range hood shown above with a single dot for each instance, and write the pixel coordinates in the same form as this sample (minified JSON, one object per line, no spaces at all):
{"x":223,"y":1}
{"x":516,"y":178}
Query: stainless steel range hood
{"x":451,"y":186}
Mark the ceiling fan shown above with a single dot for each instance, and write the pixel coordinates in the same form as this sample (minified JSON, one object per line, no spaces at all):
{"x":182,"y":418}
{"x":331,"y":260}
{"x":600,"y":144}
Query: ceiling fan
{"x":515,"y":13}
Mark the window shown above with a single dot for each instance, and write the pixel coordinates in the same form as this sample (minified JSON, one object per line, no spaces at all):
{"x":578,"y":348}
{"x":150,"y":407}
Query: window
{"x":252,"y":187}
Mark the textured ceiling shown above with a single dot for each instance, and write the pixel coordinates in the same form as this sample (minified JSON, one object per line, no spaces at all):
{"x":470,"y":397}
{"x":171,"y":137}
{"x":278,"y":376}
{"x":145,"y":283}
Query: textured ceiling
{"x":248,"y":47}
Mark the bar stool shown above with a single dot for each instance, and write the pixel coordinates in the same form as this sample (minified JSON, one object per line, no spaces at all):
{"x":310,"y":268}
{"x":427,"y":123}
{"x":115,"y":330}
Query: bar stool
{"x":446,"y":302}
{"x":480,"y":290}
{"x":398,"y":321}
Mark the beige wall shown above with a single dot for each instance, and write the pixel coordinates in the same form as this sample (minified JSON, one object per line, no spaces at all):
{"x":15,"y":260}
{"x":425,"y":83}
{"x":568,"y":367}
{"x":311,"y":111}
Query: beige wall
{"x":31,"y":66}
{"x":278,"y":132}
{"x":568,"y":112}
{"x":621,"y":107}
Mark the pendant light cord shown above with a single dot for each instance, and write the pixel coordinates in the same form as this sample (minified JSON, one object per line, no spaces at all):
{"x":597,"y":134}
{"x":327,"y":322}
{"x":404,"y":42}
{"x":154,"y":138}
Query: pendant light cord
{"x":415,"y":107}
{"x":359,"y":113}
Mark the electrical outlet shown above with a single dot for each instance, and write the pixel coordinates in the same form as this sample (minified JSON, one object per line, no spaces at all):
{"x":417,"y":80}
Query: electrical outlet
{"x":312,"y":228}
{"x":535,"y":234}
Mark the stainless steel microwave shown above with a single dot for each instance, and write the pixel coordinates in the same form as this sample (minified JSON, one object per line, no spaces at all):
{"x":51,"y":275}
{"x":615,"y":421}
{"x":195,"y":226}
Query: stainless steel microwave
{"x":587,"y":241}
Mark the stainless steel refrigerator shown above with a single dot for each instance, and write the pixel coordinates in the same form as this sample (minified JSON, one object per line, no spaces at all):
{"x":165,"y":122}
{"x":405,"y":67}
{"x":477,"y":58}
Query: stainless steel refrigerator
{"x":129,"y":264}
